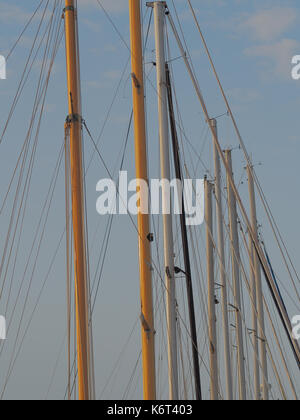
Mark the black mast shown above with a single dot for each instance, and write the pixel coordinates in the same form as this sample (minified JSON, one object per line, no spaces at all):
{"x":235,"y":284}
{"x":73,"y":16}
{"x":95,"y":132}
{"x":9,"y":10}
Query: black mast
{"x":187,"y":262}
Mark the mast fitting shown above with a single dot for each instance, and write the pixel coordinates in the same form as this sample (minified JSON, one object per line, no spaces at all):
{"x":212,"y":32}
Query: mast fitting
{"x":136,"y":81}
{"x":69,"y":9}
{"x":74,"y":118}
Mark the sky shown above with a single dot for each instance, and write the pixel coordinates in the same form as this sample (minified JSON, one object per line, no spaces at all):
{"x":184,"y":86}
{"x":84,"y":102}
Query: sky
{"x":252,"y":43}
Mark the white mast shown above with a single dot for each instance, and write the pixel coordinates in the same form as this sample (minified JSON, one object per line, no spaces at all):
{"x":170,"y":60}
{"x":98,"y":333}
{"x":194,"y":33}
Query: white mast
{"x":254,"y":322}
{"x":259,"y":294}
{"x":159,"y":23}
{"x":214,"y":387}
{"x":221,"y":252}
{"x":236,"y":279}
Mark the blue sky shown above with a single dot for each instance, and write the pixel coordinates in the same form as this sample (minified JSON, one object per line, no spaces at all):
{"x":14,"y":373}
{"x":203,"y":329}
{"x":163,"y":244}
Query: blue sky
{"x":252,"y":43}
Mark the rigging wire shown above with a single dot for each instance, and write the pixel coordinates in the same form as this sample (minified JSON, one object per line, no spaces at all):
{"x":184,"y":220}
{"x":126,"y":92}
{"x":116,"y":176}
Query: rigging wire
{"x":128,"y":389}
{"x":23,"y":31}
{"x":44,"y":91}
{"x":270,"y":216}
{"x":21,"y":83}
{"x":277,"y":301}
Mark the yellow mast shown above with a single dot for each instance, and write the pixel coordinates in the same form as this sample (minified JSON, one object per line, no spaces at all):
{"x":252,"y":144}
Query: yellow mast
{"x":75,"y":126}
{"x":143,"y":219}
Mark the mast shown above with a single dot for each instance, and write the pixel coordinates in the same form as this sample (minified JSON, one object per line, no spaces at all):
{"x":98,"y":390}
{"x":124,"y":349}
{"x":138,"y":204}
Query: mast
{"x":254,"y":323}
{"x":258,"y":291}
{"x":236,"y":278}
{"x":221,"y":252}
{"x":74,"y":122}
{"x":147,"y":317}
{"x":159,"y":23}
{"x":260,"y":253}
{"x":185,"y":244}
{"x":214,"y":387}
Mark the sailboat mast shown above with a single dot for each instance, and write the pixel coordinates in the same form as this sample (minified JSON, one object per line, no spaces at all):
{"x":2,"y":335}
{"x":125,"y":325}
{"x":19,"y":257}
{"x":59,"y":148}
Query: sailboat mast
{"x":260,"y":253}
{"x":212,"y":328}
{"x":256,"y":373}
{"x":74,"y":121}
{"x":236,"y":278}
{"x":185,"y":244}
{"x":258,"y":291}
{"x":221,"y":252}
{"x":159,"y":23}
{"x":147,"y":317}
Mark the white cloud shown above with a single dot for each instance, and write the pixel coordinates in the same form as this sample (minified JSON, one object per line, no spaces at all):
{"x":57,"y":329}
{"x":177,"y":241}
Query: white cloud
{"x":268,"y":25}
{"x":11,"y":13}
{"x":276,"y":57}
{"x":274,"y":47}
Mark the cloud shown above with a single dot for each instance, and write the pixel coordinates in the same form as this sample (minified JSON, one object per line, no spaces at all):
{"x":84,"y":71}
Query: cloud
{"x":268,"y":25}
{"x":276,"y":57}
{"x":11,"y":13}
{"x":274,"y":48}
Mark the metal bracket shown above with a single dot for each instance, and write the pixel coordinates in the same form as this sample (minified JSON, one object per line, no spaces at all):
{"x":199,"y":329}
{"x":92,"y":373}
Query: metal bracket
{"x":150,"y":237}
{"x":74,"y":118}
{"x":234,"y":307}
{"x":168,"y":272}
{"x":151,"y":4}
{"x":69,"y":9}
{"x":145,"y":325}
{"x":135,"y":81}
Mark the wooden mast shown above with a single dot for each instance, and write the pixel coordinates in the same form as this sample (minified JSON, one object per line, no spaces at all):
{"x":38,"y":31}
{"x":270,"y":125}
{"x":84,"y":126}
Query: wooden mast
{"x":143,"y":219}
{"x":74,"y":122}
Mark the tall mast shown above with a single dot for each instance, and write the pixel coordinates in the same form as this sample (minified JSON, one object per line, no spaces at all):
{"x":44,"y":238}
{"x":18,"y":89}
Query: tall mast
{"x":259,"y":293}
{"x":147,"y":317}
{"x":262,"y":258}
{"x":185,"y":244}
{"x":221,"y":252}
{"x":254,"y":322}
{"x":75,"y":126}
{"x":159,"y":23}
{"x":236,"y":278}
{"x":214,"y":377}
